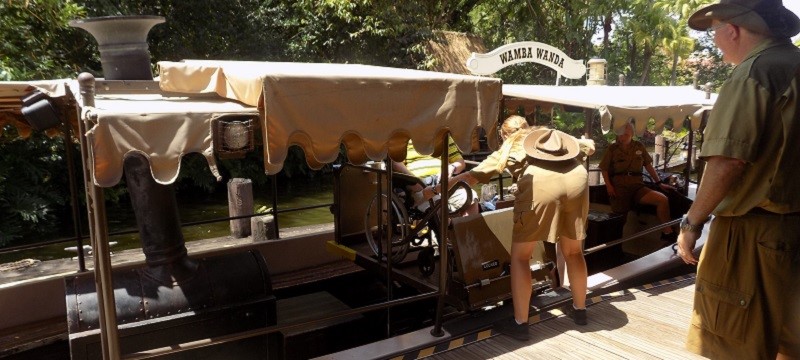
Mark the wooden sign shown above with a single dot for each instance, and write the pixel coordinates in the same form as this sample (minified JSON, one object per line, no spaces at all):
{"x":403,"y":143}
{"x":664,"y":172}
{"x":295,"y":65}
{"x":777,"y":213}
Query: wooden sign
{"x":526,"y":51}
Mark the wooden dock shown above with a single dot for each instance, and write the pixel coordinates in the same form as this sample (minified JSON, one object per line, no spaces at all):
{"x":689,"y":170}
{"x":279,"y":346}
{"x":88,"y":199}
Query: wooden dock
{"x":644,"y":323}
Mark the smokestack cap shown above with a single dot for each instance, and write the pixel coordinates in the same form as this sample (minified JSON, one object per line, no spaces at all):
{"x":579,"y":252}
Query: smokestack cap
{"x":122,"y":42}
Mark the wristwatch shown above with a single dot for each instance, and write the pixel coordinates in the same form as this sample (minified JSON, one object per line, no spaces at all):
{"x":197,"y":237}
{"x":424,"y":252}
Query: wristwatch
{"x":695,"y":228}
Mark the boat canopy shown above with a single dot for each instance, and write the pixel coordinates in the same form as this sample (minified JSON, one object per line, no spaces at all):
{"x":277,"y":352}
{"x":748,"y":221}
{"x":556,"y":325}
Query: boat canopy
{"x":618,"y":105}
{"x":372,"y":110}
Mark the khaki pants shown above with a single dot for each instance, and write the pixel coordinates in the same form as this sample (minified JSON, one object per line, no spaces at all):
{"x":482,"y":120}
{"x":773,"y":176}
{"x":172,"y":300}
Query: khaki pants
{"x":747,"y":296}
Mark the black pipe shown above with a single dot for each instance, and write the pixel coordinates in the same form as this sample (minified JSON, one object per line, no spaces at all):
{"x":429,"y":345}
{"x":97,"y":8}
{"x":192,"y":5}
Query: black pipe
{"x":124,"y":55}
{"x":156,"y":211}
{"x":73,"y":195}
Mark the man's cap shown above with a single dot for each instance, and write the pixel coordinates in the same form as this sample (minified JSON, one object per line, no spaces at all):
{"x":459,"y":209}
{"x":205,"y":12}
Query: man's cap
{"x":768,"y":17}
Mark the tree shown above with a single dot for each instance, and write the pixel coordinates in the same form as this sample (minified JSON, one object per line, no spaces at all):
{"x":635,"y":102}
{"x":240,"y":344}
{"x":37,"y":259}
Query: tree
{"x":677,"y":41}
{"x":37,"y":42}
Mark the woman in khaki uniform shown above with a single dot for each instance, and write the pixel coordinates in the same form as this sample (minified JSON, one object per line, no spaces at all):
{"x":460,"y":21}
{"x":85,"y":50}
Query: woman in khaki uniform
{"x":551,"y":204}
{"x":621,"y":167}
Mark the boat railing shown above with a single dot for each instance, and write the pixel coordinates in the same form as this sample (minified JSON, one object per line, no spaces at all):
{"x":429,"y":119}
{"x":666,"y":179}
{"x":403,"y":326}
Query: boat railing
{"x":635,"y":236}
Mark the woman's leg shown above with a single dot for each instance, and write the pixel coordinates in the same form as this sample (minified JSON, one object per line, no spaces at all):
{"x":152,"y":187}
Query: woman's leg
{"x":521,"y":279}
{"x":660,"y":201}
{"x":576,"y":269}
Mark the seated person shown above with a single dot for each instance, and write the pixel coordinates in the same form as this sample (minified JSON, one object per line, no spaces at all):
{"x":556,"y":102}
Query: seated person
{"x":427,"y":168}
{"x":621,"y":167}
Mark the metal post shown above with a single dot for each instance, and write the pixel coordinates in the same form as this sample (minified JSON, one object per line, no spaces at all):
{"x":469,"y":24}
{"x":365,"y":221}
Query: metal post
{"x":98,"y":233}
{"x":588,"y":115}
{"x":498,"y":139}
{"x":274,"y":180}
{"x":687,"y":170}
{"x":443,"y":225}
{"x":73,"y":194}
{"x":389,"y":247}
{"x":379,"y":237}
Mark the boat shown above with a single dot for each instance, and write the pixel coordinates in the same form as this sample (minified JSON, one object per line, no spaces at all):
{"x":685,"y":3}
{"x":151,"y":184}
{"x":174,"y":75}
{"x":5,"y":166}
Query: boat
{"x":253,"y":300}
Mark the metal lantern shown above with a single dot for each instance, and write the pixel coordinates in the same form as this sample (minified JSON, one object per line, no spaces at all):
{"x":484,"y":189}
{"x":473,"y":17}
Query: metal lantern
{"x":233,"y":136}
{"x":597,"y":72}
{"x":39,"y":112}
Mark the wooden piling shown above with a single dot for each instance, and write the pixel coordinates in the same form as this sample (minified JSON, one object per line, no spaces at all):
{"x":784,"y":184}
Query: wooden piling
{"x":240,"y":202}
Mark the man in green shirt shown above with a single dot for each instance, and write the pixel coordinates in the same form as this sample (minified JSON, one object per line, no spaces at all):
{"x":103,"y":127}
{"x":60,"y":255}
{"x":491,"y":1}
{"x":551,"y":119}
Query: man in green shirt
{"x":747,"y":294}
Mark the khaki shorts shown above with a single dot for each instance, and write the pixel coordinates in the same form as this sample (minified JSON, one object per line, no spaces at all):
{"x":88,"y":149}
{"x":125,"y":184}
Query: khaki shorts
{"x":747,"y":295}
{"x":549,"y":221}
{"x":627,"y":188}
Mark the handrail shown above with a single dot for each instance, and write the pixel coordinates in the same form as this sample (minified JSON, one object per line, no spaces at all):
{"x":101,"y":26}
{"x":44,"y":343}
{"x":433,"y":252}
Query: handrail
{"x":41,"y":244}
{"x":631,"y":237}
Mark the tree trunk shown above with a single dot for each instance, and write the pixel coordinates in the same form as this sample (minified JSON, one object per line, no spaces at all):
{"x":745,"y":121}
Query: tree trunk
{"x":607,"y":29}
{"x":674,"y":77}
{"x":648,"y":57}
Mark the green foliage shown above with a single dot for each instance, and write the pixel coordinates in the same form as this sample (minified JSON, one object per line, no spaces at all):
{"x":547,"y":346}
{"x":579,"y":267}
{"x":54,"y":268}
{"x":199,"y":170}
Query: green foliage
{"x":31,"y":186}
{"x":37,"y":42}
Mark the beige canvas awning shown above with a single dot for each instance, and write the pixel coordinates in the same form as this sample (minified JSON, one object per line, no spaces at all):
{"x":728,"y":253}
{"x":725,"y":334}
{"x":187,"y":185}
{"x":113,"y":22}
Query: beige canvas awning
{"x":163,"y":129}
{"x":372,"y":110}
{"x":617,"y":105}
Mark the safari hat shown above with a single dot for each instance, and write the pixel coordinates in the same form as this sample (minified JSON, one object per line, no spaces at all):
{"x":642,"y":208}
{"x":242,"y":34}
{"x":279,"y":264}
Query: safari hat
{"x":768,"y":17}
{"x":550,"y":145}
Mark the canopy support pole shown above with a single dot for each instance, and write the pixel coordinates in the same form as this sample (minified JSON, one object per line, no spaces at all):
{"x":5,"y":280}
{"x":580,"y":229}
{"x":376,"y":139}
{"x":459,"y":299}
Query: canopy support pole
{"x":443,"y":225}
{"x":389,"y":242}
{"x":98,"y":232}
{"x":73,"y":191}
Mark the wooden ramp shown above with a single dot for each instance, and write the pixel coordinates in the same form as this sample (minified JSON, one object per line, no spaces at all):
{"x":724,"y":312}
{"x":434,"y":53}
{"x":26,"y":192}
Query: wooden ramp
{"x":649,"y":322}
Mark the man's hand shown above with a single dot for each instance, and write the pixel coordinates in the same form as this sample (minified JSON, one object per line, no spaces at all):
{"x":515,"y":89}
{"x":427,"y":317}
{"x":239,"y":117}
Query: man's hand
{"x":686,"y":243}
{"x":611,"y":191}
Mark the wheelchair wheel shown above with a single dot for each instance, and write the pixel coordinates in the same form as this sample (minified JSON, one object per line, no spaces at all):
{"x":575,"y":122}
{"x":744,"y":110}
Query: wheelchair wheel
{"x":399,"y":248}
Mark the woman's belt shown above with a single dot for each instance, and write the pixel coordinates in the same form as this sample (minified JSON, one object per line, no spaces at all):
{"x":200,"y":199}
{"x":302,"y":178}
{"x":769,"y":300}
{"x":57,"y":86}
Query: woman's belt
{"x":629,"y":173}
{"x":762,"y":211}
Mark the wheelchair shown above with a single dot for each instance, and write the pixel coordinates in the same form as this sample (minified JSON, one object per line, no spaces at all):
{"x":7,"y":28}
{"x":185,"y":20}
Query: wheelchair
{"x":412,"y":227}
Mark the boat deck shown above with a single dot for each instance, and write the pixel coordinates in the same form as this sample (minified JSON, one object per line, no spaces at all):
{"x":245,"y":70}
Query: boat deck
{"x":650,"y":322}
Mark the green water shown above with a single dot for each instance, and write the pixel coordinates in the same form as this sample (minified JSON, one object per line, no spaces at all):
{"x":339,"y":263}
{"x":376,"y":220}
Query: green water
{"x":291,"y":194}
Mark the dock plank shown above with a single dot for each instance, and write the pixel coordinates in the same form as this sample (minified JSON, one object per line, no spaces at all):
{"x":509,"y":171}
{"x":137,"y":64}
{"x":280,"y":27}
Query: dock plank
{"x":646,"y":323}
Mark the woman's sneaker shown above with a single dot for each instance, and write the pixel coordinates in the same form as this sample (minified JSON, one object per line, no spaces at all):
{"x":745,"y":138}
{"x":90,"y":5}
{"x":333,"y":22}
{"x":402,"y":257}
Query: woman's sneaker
{"x":577,"y":315}
{"x":511,"y":328}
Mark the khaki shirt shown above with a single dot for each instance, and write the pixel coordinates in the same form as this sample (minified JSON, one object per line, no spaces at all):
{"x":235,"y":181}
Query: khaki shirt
{"x":756,"y":118}
{"x":617,"y":160}
{"x":533,"y":182}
